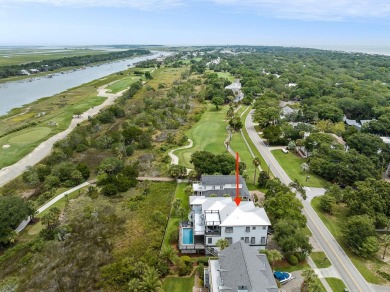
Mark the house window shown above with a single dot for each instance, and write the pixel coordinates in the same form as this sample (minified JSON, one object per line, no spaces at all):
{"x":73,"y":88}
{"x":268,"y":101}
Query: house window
{"x":213,"y":187}
{"x":246,"y":239}
{"x":229,"y":229}
{"x":247,"y":229}
{"x":229,"y":239}
{"x":242,"y":238}
{"x":252,"y":240}
{"x":264,"y":227}
{"x":253,"y":227}
{"x":209,"y":240}
{"x":263,"y":240}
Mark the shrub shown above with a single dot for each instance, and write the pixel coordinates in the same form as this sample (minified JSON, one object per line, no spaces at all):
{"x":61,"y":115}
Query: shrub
{"x":203,"y":260}
{"x":300,"y":256}
{"x":383,"y":274}
{"x":200,"y":270}
{"x":292,"y":260}
{"x":174,"y":236}
{"x":109,"y":190}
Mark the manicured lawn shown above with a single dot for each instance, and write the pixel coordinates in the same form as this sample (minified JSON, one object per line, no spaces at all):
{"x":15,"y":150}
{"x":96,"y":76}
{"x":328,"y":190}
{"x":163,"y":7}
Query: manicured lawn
{"x":291,"y":163}
{"x":24,"y":141}
{"x":180,"y":194}
{"x":284,"y":266}
{"x":237,"y":144}
{"x":337,"y":285}
{"x":173,"y":222}
{"x":319,"y":258}
{"x":208,"y":134}
{"x":226,"y":75}
{"x":263,"y":164}
{"x":176,"y":284}
{"x":123,"y":83}
{"x":334,"y":223}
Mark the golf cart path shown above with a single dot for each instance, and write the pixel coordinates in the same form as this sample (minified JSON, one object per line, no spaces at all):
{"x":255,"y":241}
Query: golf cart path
{"x":42,"y":150}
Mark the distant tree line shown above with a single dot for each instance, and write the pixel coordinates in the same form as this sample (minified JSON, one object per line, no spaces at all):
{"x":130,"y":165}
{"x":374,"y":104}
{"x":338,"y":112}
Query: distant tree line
{"x":50,"y":65}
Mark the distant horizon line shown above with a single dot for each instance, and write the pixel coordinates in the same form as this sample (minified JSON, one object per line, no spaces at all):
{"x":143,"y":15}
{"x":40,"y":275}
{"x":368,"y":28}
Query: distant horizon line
{"x":356,"y":48}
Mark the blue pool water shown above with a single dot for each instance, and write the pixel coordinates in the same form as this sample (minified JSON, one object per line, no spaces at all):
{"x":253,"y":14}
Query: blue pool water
{"x":188,"y":236}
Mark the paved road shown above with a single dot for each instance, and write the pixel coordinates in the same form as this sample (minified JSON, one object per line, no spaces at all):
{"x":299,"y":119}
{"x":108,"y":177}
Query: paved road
{"x":42,"y":150}
{"x":348,"y":272}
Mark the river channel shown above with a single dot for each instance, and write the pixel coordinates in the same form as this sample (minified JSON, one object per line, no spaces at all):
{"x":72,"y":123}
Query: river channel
{"x":18,"y":93}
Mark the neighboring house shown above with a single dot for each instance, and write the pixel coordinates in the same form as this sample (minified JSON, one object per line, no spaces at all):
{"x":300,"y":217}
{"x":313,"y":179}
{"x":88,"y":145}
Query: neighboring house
{"x":34,"y":71}
{"x":220,"y":185}
{"x":356,"y":124}
{"x":217,"y":218}
{"x":240,"y":268}
{"x":24,"y":72}
{"x":236,"y":88}
{"x":287,"y":111}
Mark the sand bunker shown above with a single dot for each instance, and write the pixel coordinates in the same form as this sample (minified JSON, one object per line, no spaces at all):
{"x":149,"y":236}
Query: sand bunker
{"x":6,"y":146}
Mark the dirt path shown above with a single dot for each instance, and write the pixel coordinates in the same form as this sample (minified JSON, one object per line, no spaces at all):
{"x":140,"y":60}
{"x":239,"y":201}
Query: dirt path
{"x":41,"y":151}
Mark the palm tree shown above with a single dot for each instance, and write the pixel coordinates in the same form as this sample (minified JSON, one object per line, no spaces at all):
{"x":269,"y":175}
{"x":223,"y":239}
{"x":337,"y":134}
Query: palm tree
{"x":299,"y":188}
{"x":310,"y":283}
{"x":134,"y":285}
{"x":150,"y":281}
{"x":168,"y":253}
{"x":273,"y":255}
{"x":305,"y":167}
{"x":49,"y":219}
{"x":222,"y":243}
{"x":256,"y":162}
{"x":385,"y":242}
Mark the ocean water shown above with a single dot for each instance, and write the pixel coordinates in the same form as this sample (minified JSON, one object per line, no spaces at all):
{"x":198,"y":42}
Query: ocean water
{"x":377,"y":50}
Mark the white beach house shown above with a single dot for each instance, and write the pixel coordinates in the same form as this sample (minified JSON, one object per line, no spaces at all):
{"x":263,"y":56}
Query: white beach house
{"x":217,"y":218}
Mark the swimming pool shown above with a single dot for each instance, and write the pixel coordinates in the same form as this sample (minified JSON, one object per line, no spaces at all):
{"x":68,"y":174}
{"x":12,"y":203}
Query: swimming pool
{"x":187,"y":236}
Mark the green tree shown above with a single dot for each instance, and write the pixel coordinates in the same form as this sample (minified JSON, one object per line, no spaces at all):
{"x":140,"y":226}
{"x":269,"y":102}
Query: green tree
{"x":222,"y":243}
{"x":292,"y":237}
{"x":273,"y":255}
{"x":272,"y":134}
{"x":263,"y":178}
{"x":217,"y":101}
{"x":13,"y":210}
{"x":327,"y":203}
{"x":305,"y":167}
{"x":356,"y":231}
{"x":310,"y":281}
{"x":150,"y":281}
{"x":385,"y":242}
{"x":168,"y":253}
{"x":299,"y":188}
{"x":148,"y":75}
{"x":177,"y":171}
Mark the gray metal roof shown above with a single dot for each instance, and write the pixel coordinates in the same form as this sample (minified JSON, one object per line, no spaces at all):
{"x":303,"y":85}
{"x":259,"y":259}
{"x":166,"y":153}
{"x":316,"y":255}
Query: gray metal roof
{"x":220,"y":180}
{"x":242,"y":266}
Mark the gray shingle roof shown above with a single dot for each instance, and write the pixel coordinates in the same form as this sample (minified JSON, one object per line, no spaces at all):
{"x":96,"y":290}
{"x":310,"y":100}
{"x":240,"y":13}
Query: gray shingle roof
{"x":220,"y":180}
{"x":242,"y":266}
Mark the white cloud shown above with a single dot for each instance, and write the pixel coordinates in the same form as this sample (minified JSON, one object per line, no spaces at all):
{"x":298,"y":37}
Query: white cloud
{"x":137,"y":4}
{"x":328,"y":10}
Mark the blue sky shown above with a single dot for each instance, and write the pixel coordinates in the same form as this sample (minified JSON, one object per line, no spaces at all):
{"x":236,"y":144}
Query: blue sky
{"x":196,"y":22}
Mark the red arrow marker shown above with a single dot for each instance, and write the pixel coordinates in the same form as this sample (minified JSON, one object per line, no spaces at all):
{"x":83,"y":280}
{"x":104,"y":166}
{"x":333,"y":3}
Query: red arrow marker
{"x":237,"y":199}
